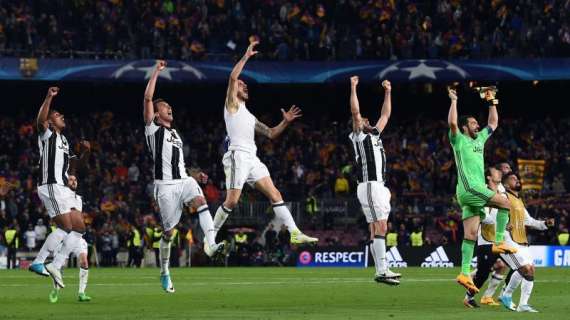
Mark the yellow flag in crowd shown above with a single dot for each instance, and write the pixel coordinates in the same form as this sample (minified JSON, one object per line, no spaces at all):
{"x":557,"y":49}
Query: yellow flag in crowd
{"x":531,"y":173}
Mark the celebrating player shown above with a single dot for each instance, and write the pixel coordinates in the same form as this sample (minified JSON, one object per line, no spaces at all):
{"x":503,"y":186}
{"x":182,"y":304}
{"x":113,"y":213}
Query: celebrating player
{"x":241,"y":163}
{"x":173,"y":188}
{"x":472,"y":194}
{"x":54,"y":192}
{"x":520,"y":262}
{"x":79,"y":251}
{"x":374,"y":197}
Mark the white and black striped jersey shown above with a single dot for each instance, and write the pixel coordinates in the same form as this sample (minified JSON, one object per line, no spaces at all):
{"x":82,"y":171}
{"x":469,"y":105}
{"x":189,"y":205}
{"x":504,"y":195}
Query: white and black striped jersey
{"x":370,"y":156}
{"x":166,"y":147}
{"x":54,"y":158}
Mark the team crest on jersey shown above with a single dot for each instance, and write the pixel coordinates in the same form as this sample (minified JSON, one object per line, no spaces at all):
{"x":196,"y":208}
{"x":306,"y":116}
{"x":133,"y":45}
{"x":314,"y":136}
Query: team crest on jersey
{"x":64,"y":145}
{"x":174,"y":139}
{"x":477,"y":148}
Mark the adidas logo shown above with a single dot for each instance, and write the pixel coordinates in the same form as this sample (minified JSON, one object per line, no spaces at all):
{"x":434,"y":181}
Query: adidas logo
{"x":395,"y":259}
{"x":437,"y":259}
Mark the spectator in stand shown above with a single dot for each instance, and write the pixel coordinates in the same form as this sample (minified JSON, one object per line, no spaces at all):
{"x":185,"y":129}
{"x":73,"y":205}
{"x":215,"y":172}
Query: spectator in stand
{"x":41,"y":231}
{"x":30,"y":236}
{"x":341,"y":187}
{"x":288,"y":30}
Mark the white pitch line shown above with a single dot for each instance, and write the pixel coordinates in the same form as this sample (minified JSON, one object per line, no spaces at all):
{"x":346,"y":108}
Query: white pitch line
{"x":270,"y":283}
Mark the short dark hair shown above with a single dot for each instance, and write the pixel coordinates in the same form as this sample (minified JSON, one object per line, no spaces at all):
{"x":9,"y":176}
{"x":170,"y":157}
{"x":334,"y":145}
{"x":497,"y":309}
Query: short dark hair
{"x":52,"y":111}
{"x":463,"y":120}
{"x":507,"y":175}
{"x":155,"y":103}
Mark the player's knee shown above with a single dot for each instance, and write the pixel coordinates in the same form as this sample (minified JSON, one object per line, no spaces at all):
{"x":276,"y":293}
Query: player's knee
{"x":166,"y":235}
{"x":380,"y":228}
{"x":527,"y":272}
{"x":198,"y":202}
{"x":471,"y":234}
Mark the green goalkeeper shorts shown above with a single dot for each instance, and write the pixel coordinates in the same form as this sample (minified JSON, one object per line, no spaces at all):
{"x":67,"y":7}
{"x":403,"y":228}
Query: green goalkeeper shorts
{"x":474,"y":200}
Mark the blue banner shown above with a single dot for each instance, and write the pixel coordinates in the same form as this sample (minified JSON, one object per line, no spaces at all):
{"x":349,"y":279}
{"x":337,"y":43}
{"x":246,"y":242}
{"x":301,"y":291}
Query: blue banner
{"x":287,"y":72}
{"x":551,"y":256}
{"x":334,"y":257}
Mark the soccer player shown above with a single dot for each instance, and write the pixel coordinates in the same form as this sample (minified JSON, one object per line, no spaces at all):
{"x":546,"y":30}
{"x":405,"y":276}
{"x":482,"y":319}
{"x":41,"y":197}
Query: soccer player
{"x":173,"y":187}
{"x":241,"y":163}
{"x":486,"y":259}
{"x":521,"y":262}
{"x":374,"y":197}
{"x":79,"y":251}
{"x":53,"y":190}
{"x":468,"y":144}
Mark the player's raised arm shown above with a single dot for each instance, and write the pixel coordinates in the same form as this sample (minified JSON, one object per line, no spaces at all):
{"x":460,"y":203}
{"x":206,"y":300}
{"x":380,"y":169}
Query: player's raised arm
{"x":42,"y":119}
{"x":354,"y":105}
{"x":231,"y":95}
{"x":452,"y":116}
{"x":493,"y":121}
{"x":273,"y":133}
{"x":386,"y":106}
{"x":148,"y":112}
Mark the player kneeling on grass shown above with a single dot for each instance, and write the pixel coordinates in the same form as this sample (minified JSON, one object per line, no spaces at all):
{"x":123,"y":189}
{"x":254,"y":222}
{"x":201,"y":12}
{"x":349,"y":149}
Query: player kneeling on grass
{"x":79,"y":252}
{"x":373,"y":196}
{"x":520,"y":262}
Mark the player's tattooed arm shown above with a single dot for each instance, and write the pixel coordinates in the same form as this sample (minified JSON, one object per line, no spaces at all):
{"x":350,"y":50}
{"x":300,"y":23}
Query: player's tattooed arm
{"x":231,"y":95}
{"x":354,"y":105}
{"x":452,"y":116}
{"x":262,"y":129}
{"x":386,"y":110}
{"x":273,"y":133}
{"x":148,"y":111}
{"x":197,"y":174}
{"x":42,"y":119}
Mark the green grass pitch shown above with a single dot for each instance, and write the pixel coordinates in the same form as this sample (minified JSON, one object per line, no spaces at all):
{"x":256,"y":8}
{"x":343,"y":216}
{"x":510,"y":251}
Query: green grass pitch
{"x":267,"y":293}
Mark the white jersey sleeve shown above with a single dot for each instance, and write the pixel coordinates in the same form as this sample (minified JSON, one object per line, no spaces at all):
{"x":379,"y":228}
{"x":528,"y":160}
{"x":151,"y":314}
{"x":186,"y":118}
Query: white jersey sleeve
{"x":46,"y":134}
{"x":151,"y":128}
{"x":529,"y":221}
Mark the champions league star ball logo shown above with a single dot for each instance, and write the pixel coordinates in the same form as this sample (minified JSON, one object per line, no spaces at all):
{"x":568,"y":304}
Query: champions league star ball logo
{"x":176,"y":69}
{"x":305,"y":257}
{"x":422,"y":70}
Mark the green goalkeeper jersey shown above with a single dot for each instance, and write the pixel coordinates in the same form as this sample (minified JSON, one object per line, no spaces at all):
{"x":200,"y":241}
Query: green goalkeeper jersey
{"x":469,"y":159}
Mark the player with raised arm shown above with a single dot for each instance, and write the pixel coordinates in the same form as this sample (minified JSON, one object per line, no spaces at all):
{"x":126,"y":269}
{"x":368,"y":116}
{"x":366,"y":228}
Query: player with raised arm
{"x":173,"y":187}
{"x":58,"y":199}
{"x":468,"y":145}
{"x":372,"y":194}
{"x":520,"y":262}
{"x":241,"y":163}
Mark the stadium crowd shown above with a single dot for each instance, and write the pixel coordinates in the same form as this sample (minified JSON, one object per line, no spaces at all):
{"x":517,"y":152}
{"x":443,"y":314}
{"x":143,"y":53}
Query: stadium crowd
{"x":288,"y":29}
{"x":306,"y":163}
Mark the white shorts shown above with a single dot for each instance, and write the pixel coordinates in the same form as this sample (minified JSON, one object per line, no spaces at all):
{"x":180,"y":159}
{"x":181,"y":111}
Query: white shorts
{"x":519,"y":259}
{"x":57,"y":199}
{"x":374,"y":198}
{"x":171,"y":199}
{"x":241,"y":167}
